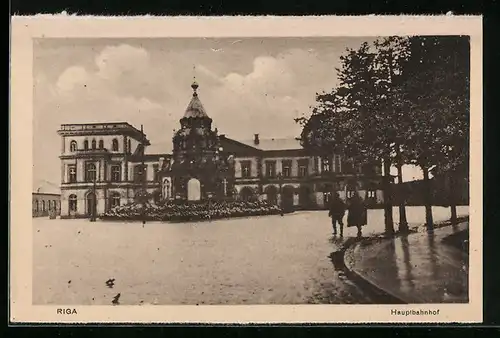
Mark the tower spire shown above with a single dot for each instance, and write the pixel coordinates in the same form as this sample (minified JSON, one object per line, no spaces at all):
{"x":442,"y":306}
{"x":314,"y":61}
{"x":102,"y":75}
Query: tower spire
{"x":194,"y":85}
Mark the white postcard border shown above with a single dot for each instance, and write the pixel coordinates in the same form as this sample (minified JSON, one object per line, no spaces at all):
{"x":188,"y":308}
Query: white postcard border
{"x":24,"y":29}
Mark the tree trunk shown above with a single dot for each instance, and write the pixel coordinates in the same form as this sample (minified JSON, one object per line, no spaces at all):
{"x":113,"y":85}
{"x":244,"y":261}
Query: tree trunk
{"x":389,"y":223}
{"x":428,"y":200}
{"x":452,"y":198}
{"x":403,"y":223}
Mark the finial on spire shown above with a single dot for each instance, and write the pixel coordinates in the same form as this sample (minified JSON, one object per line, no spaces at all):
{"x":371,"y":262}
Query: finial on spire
{"x":194,"y":85}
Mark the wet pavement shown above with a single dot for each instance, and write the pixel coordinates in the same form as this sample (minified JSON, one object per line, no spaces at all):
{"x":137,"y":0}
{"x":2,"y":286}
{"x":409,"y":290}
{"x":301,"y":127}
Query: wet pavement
{"x":256,"y":260}
{"x":417,"y":268}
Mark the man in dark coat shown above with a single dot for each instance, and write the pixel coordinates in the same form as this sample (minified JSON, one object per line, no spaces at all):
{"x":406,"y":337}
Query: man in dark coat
{"x":337,"y":212}
{"x":357,"y":216}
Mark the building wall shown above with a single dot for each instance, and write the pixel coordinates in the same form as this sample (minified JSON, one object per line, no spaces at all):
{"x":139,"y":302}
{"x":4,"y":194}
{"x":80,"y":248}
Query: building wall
{"x":43,"y":203}
{"x":104,"y":186}
{"x":80,"y":139}
{"x":257,"y":182}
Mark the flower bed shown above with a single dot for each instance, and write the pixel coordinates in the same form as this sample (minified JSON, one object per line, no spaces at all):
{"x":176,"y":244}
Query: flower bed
{"x":190,"y":211}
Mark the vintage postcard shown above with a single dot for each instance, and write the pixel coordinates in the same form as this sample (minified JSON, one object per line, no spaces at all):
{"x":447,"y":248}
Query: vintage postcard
{"x":246,"y":169}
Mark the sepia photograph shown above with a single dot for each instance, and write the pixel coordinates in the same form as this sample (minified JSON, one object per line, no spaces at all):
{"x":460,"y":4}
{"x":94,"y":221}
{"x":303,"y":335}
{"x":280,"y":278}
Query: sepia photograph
{"x":251,"y":170}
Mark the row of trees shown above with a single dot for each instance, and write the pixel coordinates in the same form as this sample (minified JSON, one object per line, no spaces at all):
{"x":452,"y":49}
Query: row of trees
{"x":400,"y":100}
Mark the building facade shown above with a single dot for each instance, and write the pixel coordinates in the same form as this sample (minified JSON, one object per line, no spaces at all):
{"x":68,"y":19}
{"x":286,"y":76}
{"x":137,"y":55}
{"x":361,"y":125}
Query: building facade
{"x":44,"y":203}
{"x":101,"y":167}
{"x":104,"y":165}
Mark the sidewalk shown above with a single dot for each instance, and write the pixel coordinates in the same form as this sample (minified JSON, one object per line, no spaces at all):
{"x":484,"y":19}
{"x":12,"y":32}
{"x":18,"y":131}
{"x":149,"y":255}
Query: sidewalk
{"x":417,"y":268}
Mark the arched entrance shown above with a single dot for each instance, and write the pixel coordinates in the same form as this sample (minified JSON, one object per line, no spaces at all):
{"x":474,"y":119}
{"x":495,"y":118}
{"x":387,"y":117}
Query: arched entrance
{"x":246,"y":194}
{"x":193,"y":190}
{"x":271,"y":194}
{"x":91,"y":203}
{"x":304,"y":196}
{"x":287,"y":197}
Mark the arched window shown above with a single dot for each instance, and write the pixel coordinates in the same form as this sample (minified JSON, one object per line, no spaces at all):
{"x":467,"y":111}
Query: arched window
{"x":247,"y":194}
{"x":72,"y":146}
{"x":94,"y":144}
{"x":271,"y":194}
{"x":115,"y":145}
{"x":101,"y":144}
{"x":86,"y":145}
{"x":72,"y":202}
{"x":36,"y":206}
{"x":43,"y":206}
{"x":129,"y":146}
{"x":72,"y":173}
{"x":90,"y":172}
{"x":115,"y":200}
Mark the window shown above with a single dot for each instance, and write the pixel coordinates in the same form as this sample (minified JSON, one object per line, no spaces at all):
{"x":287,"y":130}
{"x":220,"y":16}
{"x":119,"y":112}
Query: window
{"x":115,"y":200}
{"x":71,"y":173}
{"x":156,"y":171}
{"x":86,"y":145}
{"x":302,"y":171}
{"x":94,"y":145}
{"x":337,"y":163}
{"x":138,"y":173}
{"x":325,"y":162}
{"x":246,"y":169}
{"x":72,"y":146}
{"x":101,"y":144}
{"x":270,"y":169}
{"x":115,"y":145}
{"x":36,"y":206}
{"x":115,"y":173}
{"x":286,"y":167}
{"x":43,"y":206}
{"x":90,"y":173}
{"x":72,"y":202}
{"x":129,"y":147}
{"x":371,"y":194}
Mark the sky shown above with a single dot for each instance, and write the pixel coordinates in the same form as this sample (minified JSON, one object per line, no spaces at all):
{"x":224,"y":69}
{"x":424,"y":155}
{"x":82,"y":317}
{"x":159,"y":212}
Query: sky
{"x":247,"y":86}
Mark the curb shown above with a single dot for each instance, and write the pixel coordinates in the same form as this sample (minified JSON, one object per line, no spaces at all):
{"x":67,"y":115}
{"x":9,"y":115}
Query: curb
{"x":338,"y":259}
{"x":378,"y":294}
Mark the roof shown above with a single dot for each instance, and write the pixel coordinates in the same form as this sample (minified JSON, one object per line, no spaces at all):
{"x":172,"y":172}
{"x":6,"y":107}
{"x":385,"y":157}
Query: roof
{"x":102,"y":128}
{"x":275,"y":144}
{"x":159,"y":148}
{"x":195,"y":108}
{"x":46,"y":187}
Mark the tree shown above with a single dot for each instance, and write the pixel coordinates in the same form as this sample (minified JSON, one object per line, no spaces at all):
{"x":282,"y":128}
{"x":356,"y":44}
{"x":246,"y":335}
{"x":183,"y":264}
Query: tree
{"x":354,"y":118}
{"x":435,"y":95}
{"x":392,"y":53}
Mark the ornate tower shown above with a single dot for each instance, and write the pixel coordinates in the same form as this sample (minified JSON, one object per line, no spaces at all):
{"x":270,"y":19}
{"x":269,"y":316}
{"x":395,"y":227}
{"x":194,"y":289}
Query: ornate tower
{"x":198,"y":171}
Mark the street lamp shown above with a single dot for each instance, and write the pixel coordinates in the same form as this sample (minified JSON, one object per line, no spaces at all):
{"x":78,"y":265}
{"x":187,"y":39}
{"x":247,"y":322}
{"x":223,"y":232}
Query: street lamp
{"x":280,"y":182}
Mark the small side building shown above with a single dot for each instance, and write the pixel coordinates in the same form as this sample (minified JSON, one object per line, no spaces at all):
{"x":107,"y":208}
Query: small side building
{"x":44,"y":203}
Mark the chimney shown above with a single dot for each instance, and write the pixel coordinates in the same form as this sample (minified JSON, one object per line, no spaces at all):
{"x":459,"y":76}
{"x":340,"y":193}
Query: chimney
{"x":256,"y":139}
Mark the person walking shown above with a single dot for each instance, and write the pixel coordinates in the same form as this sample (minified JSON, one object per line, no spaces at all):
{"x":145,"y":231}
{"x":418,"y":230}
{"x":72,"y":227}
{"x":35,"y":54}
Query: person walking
{"x":337,"y":212}
{"x":357,"y":213}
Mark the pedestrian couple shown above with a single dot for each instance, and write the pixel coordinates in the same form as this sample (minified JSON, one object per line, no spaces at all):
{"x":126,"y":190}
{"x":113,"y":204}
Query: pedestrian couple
{"x":356,"y":217}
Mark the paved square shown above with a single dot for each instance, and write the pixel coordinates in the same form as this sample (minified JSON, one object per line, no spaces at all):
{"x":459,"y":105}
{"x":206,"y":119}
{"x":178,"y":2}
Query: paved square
{"x":258,"y":260}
